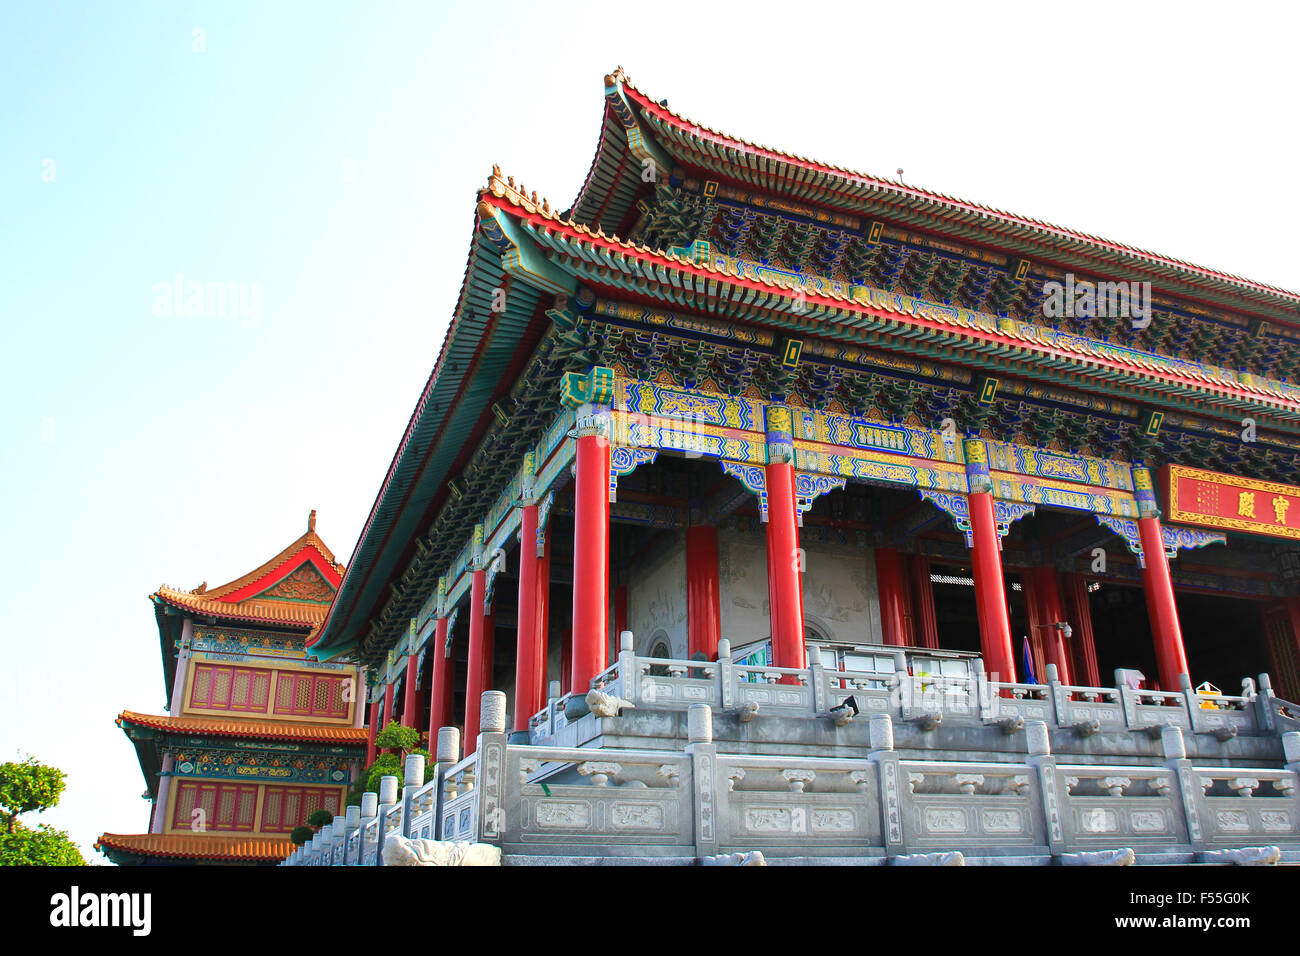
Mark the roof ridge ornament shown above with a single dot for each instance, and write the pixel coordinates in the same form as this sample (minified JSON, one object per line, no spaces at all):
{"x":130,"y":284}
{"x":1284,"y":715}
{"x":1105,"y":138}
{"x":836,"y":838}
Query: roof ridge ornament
{"x":311,"y":522}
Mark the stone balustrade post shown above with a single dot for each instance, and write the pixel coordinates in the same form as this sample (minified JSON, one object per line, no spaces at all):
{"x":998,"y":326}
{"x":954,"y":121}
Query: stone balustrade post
{"x":1194,"y":713}
{"x":369,"y":810}
{"x":387,"y":800}
{"x":726,"y":676}
{"x":413,"y":779}
{"x":1051,"y":800}
{"x":492,"y":811}
{"x":1291,"y":750}
{"x":903,"y":687}
{"x":987,"y":700}
{"x":888,"y":782}
{"x":1264,"y":704}
{"x":339,"y":856}
{"x":351,"y":824}
{"x":1189,"y":789}
{"x":447,"y":755}
{"x":817,"y":679}
{"x":704,"y":777}
{"x":1060,"y":699}
{"x":627,"y":668}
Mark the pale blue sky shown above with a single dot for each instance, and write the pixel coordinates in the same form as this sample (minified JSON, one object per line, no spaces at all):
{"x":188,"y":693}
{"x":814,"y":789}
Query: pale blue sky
{"x":141,"y":448}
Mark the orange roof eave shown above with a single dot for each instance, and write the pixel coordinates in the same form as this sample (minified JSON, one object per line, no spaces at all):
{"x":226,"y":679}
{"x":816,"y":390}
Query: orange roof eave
{"x":278,"y":612}
{"x":199,"y":846}
{"x":260,"y":729}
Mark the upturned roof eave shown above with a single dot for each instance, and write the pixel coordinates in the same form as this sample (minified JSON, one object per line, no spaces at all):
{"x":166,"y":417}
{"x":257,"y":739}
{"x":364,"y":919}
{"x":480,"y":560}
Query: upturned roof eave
{"x":1197,"y":279}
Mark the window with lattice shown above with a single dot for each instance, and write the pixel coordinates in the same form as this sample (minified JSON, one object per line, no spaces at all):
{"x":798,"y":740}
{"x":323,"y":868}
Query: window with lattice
{"x":307,"y":695}
{"x":223,"y":687}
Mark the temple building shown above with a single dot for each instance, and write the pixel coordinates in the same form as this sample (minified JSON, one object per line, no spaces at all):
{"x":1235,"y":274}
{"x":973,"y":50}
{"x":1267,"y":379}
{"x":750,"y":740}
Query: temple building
{"x":258,"y":735}
{"x":775,"y":444}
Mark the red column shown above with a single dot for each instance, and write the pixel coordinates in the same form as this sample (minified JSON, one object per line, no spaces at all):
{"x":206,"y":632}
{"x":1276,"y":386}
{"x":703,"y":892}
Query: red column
{"x":371,"y":731}
{"x":1080,"y":618}
{"x":927,"y":622}
{"x":543,"y":619}
{"x":528,"y":695}
{"x":590,"y":561}
{"x":703,"y":610}
{"x":620,"y":610}
{"x":986,"y":567}
{"x":1161,"y":608}
{"x":440,"y":689}
{"x":388,"y":704}
{"x":475,"y":684}
{"x":893,"y":601}
{"x":785,"y":593}
{"x":990,"y":593}
{"x":409,"y":715}
{"x":1051,"y":612}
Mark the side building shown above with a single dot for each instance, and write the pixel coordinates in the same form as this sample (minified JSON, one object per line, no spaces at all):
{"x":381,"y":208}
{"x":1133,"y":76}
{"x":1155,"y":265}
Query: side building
{"x":258,"y":735}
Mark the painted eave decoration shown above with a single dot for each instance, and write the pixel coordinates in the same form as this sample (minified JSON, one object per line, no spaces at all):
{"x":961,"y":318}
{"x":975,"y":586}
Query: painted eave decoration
{"x":524,"y":247}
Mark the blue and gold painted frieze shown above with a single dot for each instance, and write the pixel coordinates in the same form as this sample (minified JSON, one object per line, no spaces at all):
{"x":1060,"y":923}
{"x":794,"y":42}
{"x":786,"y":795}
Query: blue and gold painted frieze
{"x":236,"y":645}
{"x":232,"y":764}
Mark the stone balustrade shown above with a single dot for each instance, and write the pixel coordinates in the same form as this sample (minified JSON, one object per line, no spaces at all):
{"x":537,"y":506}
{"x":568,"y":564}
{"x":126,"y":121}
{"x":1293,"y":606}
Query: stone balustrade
{"x":558,"y":804}
{"x":674,"y":684}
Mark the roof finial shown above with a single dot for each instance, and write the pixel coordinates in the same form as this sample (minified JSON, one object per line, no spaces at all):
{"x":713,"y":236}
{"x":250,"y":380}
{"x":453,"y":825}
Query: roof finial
{"x":311,"y":520}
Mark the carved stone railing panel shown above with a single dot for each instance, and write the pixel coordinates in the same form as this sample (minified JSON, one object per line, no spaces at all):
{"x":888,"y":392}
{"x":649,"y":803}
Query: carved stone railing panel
{"x":815,"y":804}
{"x":1107,"y":807}
{"x":675,"y":683}
{"x":1080,"y":705}
{"x":613,"y":799}
{"x":1247,"y":808}
{"x":950,"y":804}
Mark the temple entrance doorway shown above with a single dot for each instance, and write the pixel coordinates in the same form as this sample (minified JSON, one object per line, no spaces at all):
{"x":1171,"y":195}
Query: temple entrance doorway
{"x":1121,"y":630}
{"x":954,"y":607}
{"x":1224,"y":638}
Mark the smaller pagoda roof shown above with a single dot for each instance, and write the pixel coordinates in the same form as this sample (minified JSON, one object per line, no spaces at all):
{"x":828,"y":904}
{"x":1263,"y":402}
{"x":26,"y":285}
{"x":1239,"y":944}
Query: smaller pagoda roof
{"x":247,"y":729}
{"x":236,"y":848}
{"x":292,"y":591}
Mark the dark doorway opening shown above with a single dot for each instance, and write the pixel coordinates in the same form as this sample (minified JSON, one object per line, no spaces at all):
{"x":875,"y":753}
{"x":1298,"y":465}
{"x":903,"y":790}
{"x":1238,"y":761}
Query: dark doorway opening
{"x":1122,"y":632}
{"x":1224,"y":639}
{"x":954,"y":608}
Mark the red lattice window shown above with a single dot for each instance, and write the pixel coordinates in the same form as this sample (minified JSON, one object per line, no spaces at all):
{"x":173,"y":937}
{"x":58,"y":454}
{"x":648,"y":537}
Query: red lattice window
{"x":308,"y":695}
{"x":227,"y":807}
{"x":284,"y":808}
{"x":221,"y":687}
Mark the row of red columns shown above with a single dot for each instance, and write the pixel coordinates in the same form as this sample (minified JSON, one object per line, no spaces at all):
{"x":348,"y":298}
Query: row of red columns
{"x":586,"y":655}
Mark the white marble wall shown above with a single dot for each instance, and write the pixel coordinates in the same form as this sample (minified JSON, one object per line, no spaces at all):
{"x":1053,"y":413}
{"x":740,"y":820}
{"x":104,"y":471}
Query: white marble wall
{"x":656,"y":600}
{"x":840,"y":596}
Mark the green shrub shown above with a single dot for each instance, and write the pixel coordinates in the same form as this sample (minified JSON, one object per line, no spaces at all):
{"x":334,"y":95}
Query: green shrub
{"x":320,"y":818}
{"x":398,"y":737}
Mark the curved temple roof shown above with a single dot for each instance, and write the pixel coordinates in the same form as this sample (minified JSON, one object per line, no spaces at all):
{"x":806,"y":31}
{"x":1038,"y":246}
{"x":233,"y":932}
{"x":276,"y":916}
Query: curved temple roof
{"x":519,"y":237}
{"x":652,"y":132}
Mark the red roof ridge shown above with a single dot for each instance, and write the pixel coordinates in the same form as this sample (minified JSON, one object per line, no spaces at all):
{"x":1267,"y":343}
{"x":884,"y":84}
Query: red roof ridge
{"x":665,"y":112}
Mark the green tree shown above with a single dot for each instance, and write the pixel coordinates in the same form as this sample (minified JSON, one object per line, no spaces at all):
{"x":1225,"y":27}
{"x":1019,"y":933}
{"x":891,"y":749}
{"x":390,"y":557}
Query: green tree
{"x":28,"y":786}
{"x":25,"y":787}
{"x":44,"y":846}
